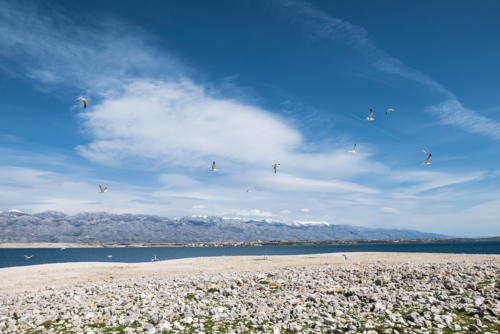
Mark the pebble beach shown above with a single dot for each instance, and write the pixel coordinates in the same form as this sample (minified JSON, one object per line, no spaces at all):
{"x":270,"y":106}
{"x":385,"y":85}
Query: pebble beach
{"x":367,"y":293}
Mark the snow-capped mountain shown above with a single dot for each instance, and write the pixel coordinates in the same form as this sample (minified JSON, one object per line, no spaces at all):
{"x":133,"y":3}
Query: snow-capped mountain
{"x":52,"y":226}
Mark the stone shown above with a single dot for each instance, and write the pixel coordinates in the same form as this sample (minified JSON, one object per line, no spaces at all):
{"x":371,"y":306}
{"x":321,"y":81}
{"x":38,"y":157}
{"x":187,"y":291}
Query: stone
{"x":413,"y":317}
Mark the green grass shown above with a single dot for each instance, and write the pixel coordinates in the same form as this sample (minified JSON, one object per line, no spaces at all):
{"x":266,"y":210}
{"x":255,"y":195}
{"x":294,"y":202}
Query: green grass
{"x":100,"y":327}
{"x":484,"y":283}
{"x":120,"y":329}
{"x":189,"y":296}
{"x":213,"y":290}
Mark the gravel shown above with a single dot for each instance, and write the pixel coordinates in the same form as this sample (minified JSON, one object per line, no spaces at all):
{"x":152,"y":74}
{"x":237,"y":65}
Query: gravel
{"x":367,"y":298}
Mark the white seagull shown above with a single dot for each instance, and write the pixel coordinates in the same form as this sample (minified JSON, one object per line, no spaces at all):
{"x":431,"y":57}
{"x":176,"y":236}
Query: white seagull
{"x":353,"y":149}
{"x":248,"y":191}
{"x":428,"y":160}
{"x":27,"y":257}
{"x":389,"y":110}
{"x":110,"y":256}
{"x":345,"y":256}
{"x":102,"y":189}
{"x":82,"y":99}
{"x":370,"y":116}
{"x":275,"y":166}
{"x":212,"y":169}
{"x":425,"y":151}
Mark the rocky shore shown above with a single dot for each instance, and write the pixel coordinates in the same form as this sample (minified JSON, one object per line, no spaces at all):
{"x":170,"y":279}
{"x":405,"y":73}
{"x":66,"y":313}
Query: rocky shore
{"x":458,"y":296}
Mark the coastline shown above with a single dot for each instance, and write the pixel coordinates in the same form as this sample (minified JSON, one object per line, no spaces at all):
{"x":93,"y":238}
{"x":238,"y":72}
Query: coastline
{"x":18,"y":279}
{"x":231,"y":243}
{"x":322,"y":293}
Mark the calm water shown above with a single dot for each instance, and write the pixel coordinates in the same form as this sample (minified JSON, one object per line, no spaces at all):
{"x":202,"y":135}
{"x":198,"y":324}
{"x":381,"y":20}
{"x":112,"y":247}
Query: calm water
{"x":15,"y":257}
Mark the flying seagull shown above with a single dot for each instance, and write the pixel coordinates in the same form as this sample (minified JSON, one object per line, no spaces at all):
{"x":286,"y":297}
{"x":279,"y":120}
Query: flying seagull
{"x":248,"y":191}
{"x":353,"y":149}
{"x":82,"y":99}
{"x":425,"y":151}
{"x":27,"y":257}
{"x":110,"y":256}
{"x":427,"y":161}
{"x":345,"y":256}
{"x":102,"y":189}
{"x":212,"y":169}
{"x":275,"y":166}
{"x":389,"y":110}
{"x":370,"y":116}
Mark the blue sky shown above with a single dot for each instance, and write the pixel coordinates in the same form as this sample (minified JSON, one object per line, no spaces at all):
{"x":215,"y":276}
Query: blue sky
{"x":172,"y":86}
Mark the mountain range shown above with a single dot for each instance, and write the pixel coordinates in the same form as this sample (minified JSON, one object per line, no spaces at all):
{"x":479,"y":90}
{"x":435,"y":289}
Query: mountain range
{"x":101,"y":227}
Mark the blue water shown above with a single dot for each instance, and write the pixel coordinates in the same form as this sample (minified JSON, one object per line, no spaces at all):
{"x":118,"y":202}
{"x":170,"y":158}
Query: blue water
{"x":10,"y":257}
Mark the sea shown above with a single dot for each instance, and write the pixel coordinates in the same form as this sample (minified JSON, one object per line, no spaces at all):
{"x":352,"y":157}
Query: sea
{"x":12,"y":257}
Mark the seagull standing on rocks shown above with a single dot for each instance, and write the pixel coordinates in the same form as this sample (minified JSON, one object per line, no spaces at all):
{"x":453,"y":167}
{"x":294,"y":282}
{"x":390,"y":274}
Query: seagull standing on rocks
{"x":275,"y":166}
{"x":427,"y":161}
{"x":82,"y":99}
{"x":102,"y":189}
{"x":212,"y":169}
{"x":370,"y":116}
{"x":353,"y":149}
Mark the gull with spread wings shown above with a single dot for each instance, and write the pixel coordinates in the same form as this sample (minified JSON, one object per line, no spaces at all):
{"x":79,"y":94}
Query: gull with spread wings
{"x":427,"y":161}
{"x":275,"y":167}
{"x":83,"y":100}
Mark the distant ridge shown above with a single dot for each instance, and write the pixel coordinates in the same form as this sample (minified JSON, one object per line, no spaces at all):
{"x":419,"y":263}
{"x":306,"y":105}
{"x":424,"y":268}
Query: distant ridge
{"x":53,"y":226}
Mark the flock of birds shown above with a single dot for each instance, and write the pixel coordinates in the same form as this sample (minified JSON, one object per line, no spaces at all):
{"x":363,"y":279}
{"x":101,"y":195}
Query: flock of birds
{"x":103,"y":189}
{"x":276,"y":165}
{"x":387,"y":112}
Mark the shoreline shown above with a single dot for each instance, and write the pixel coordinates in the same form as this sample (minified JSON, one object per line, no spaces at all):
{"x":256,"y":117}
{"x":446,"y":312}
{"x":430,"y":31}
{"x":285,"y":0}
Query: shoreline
{"x":22,"y":278}
{"x":236,"y":243}
{"x":322,"y":293}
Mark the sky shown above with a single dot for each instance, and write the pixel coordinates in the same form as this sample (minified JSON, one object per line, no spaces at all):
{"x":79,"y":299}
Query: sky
{"x":172,"y":86}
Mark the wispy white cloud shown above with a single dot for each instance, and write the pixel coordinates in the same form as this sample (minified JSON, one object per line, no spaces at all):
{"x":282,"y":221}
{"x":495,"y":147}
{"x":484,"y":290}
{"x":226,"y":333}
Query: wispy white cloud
{"x":321,"y":25}
{"x":420,"y":181}
{"x":389,"y":210}
{"x":288,"y":182}
{"x":35,"y":190}
{"x":176,"y":181}
{"x":450,"y":112}
{"x":94,"y":57}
